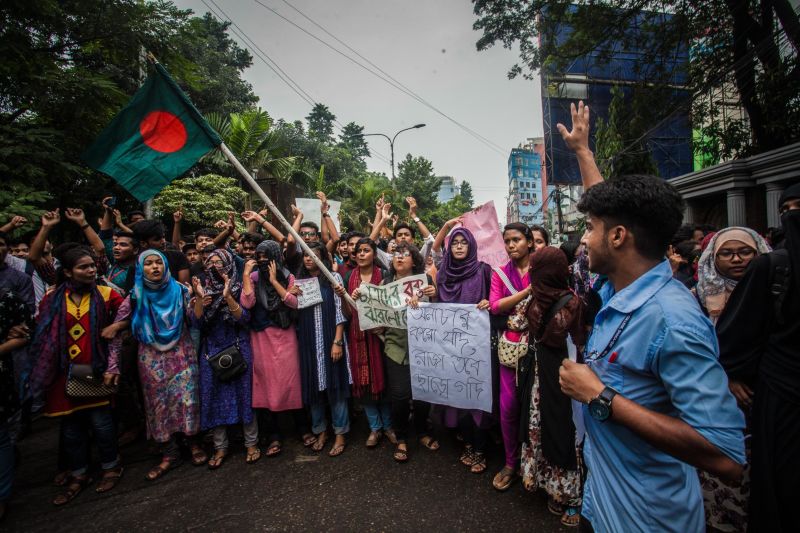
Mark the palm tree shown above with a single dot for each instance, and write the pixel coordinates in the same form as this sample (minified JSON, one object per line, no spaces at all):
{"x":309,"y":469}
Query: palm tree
{"x":250,"y":137}
{"x":358,"y":207}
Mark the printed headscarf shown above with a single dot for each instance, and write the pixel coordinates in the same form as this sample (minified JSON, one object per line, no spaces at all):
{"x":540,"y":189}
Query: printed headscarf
{"x":714,"y":289}
{"x":159,"y":306}
{"x":214,"y":286}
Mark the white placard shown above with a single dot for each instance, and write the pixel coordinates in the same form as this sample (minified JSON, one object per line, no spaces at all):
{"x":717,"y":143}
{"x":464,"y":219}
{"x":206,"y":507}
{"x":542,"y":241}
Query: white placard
{"x":384,"y":306}
{"x":450,"y":355}
{"x":311,"y":294}
{"x":311,"y":212}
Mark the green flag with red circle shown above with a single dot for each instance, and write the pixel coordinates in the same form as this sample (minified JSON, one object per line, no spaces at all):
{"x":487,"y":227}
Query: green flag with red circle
{"x":157,"y":137}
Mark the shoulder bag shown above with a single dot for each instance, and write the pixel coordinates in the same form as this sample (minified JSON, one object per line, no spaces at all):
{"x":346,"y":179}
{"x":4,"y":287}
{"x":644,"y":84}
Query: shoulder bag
{"x":228,"y":364}
{"x":509,"y":352}
{"x":83,"y":383}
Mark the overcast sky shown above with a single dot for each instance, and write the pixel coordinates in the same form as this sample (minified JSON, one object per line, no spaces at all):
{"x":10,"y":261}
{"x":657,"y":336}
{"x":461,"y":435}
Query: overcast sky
{"x":428,"y":46}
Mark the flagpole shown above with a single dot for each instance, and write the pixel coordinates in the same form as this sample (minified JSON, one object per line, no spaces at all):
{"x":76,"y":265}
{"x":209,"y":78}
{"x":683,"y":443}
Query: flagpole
{"x":260,"y":192}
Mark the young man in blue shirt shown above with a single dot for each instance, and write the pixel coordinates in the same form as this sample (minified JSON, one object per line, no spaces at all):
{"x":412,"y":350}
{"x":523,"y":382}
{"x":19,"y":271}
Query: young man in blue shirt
{"x":657,"y":399}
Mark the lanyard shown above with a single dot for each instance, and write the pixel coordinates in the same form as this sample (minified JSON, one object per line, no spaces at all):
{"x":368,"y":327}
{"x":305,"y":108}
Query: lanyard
{"x":594,"y":356}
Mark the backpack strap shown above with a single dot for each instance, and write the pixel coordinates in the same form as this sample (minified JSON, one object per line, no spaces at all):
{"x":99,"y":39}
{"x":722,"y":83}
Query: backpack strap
{"x":779,"y":278}
{"x":505,"y":280}
{"x":555,"y":308}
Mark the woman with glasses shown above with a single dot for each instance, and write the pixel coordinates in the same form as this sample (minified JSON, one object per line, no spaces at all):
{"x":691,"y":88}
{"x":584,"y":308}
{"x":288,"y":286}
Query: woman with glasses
{"x":223,"y":324}
{"x":722,"y":265}
{"x":406,"y":261}
{"x":366,"y":349}
{"x":463,"y":279}
{"x":550,"y":454}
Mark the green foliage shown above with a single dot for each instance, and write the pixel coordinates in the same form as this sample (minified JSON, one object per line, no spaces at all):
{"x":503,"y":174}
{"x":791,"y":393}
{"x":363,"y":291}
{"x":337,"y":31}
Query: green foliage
{"x":415,"y":177}
{"x":614,"y":156}
{"x":320,"y":123}
{"x":353,"y":140}
{"x":203,"y":199}
{"x":436,"y":218}
{"x":21,"y":199}
{"x":466,"y":194}
{"x":359,"y":196}
{"x":752,"y":47}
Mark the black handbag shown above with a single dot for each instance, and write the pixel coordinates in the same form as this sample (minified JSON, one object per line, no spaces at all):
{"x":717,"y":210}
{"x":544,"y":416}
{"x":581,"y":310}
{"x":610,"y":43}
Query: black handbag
{"x":228,"y":364}
{"x":83,"y":383}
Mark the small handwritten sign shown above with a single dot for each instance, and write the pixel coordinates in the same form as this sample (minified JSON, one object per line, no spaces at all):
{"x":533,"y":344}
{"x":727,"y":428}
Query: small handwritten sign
{"x":384,"y":306}
{"x":450,"y":355}
{"x":311,"y":294}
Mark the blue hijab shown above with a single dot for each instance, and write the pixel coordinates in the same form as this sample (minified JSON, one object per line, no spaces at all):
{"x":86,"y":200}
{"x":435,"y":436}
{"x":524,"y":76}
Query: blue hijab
{"x":158,"y":312}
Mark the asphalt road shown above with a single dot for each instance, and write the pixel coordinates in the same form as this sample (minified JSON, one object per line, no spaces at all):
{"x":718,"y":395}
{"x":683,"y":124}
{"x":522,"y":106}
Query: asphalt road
{"x":362,"y":490}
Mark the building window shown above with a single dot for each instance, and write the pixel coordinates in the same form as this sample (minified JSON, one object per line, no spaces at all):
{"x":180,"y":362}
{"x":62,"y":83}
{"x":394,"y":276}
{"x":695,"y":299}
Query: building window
{"x":519,"y":172}
{"x":518,"y":160}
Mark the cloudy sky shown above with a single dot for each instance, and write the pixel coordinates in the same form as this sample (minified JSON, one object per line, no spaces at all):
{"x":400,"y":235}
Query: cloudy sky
{"x":426,"y":46}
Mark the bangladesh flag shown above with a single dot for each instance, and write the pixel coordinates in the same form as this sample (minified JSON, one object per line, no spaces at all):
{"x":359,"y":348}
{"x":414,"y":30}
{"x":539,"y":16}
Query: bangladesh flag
{"x":157,"y":137}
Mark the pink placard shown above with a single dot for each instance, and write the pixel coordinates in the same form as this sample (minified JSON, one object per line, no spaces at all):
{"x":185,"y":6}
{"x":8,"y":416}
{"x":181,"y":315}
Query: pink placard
{"x":482,"y":222}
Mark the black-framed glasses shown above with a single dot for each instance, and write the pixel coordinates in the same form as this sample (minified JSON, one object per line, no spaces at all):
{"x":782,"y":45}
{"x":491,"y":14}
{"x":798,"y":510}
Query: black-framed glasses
{"x":459,"y":243}
{"x":743,"y":254}
{"x":308,"y":233}
{"x":401,"y":255}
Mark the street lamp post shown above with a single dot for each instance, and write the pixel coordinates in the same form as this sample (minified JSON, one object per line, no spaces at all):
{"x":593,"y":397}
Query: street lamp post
{"x":391,"y":140}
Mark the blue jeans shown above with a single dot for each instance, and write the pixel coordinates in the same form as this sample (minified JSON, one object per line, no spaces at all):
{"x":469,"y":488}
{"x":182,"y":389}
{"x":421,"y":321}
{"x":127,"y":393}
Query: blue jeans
{"x":75,"y":438}
{"x":340,"y":413}
{"x":379,"y":414}
{"x":6,"y":463}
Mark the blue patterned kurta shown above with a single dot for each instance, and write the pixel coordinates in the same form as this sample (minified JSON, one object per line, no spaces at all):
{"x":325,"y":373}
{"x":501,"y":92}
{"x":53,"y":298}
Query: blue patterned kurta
{"x":224,"y":403}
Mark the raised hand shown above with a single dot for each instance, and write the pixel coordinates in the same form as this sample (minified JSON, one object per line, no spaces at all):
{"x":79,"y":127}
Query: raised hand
{"x":220,"y":224}
{"x":273,"y":272}
{"x":295,"y":211}
{"x":379,"y":203}
{"x":75,"y":215}
{"x":249,"y":266}
{"x":412,"y":206}
{"x":252,"y":216}
{"x":231,"y":220}
{"x":226,"y":290}
{"x":577,"y":139}
{"x":105,"y":201}
{"x":18,"y":221}
{"x":197,"y":287}
{"x":177,"y":216}
{"x":386,"y":211}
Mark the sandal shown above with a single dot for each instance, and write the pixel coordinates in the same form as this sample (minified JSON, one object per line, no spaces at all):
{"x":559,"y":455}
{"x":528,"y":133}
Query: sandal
{"x":554,"y":507}
{"x":309,"y":439}
{"x":429,"y":442}
{"x":467,"y":456}
{"x":504,"y":478}
{"x":110,"y":479}
{"x":337,"y":449}
{"x":199,"y":456}
{"x":62,"y":478}
{"x":571,"y":517}
{"x":391,"y":436}
{"x":159,"y":470}
{"x":253,"y":455}
{"x":273,"y":449}
{"x":217,"y":460}
{"x":319,"y":442}
{"x":479,"y":466}
{"x":75,"y":486}
{"x":400,"y":455}
{"x":373,"y":439}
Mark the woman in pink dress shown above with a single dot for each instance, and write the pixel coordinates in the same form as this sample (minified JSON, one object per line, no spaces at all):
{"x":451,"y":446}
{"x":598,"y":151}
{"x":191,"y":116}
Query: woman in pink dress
{"x":270,"y":294}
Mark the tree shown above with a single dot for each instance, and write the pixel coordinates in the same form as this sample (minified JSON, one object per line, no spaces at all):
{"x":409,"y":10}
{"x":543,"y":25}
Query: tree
{"x":753,"y":45}
{"x":360,"y":195}
{"x":203,"y":199}
{"x":466,"y":194}
{"x":251,"y":138}
{"x":614,"y":156}
{"x":415,"y":178}
{"x":320,"y":123}
{"x":353,"y":140}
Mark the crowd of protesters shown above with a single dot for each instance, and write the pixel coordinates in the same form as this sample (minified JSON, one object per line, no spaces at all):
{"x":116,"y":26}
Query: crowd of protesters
{"x":628,"y":368}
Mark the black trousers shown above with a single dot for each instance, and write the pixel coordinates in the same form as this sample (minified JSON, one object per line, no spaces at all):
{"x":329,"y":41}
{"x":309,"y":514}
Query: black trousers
{"x":399,"y":387}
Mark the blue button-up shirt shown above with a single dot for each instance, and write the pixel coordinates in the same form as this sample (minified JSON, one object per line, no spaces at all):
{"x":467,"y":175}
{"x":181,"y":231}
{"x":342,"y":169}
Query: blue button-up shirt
{"x":664,"y":360}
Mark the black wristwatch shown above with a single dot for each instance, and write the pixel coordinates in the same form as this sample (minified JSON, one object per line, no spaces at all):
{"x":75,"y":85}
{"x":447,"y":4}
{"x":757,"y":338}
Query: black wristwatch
{"x":600,"y":407}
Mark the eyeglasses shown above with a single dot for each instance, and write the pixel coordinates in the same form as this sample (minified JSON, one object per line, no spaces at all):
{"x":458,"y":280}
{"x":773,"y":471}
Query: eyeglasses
{"x":742,"y":253}
{"x":401,"y":255}
{"x":308,"y":233}
{"x":459,"y":242}
{"x":218,"y":263}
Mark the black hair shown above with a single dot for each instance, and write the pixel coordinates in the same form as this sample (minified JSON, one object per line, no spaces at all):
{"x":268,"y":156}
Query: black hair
{"x":520,"y":227}
{"x":324,"y":256}
{"x":189,"y":246}
{"x":707,"y":228}
{"x":206,"y":232}
{"x":404,"y":225}
{"x":369,"y":242}
{"x":685,"y":233}
{"x":4,"y":237}
{"x":171,"y":247}
{"x":570,"y":249}
{"x":382,"y":244}
{"x":685,"y":249}
{"x":15,"y":241}
{"x":68,"y":255}
{"x":647,"y":206}
{"x":355,"y":234}
{"x":148,"y":229}
{"x":255,"y":238}
{"x":136,"y":212}
{"x":416,"y":258}
{"x":545,"y":234}
{"x":128,"y":235}
{"x":310,"y":224}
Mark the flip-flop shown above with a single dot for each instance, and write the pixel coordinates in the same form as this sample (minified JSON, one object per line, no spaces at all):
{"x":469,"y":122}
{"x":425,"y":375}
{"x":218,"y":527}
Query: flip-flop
{"x":373,"y":439}
{"x":199,"y":456}
{"x":309,"y":439}
{"x":401,"y":456}
{"x":429,"y":442}
{"x":216,"y":461}
{"x":253,"y":456}
{"x":337,"y":450}
{"x":319,"y":444}
{"x":503,"y":479}
{"x":273,"y":449}
{"x":571,"y":512}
